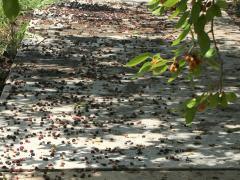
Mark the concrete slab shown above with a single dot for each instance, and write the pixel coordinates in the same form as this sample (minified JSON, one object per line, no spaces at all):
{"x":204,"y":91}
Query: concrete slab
{"x":128,"y":175}
{"x":118,"y":122}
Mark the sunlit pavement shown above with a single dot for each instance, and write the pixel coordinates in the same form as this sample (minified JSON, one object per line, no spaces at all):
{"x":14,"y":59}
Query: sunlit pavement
{"x":70,"y":102}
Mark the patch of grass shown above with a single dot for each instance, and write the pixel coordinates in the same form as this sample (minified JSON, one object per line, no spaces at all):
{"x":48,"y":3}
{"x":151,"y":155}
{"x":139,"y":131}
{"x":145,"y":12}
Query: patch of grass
{"x":4,"y":38}
{"x":26,"y":6}
{"x":8,"y":44}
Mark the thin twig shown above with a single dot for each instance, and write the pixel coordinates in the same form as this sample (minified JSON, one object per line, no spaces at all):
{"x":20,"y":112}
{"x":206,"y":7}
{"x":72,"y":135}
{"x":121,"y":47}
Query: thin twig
{"x":12,"y":43}
{"x":218,"y":55}
{"x":193,"y":42}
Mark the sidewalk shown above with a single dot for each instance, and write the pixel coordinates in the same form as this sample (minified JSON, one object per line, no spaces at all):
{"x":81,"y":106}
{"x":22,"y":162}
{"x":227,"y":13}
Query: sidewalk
{"x":75,"y":54}
{"x":120,"y":175}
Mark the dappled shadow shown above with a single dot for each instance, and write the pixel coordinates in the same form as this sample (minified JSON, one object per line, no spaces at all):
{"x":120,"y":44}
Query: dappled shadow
{"x":128,"y":175}
{"x":90,"y":7}
{"x":72,"y":104}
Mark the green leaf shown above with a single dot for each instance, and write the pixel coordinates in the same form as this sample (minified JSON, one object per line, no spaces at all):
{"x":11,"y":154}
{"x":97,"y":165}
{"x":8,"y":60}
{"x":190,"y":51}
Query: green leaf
{"x":145,"y":68}
{"x":204,"y":42}
{"x":139,"y":59}
{"x":210,"y":13}
{"x":210,"y":53}
{"x":213,"y":11}
{"x":213,"y":100}
{"x":153,"y":2}
{"x":171,"y":79}
{"x":231,"y":96}
{"x":182,"y":63}
{"x":189,"y":115}
{"x":170,"y":3}
{"x":175,"y":13}
{"x":179,"y":51}
{"x":211,"y":56}
{"x":158,"y":56}
{"x":182,"y":36}
{"x":160,"y":63}
{"x":182,"y":5}
{"x":203,"y":98}
{"x":223,"y":100}
{"x":11,"y":9}
{"x":191,"y":103}
{"x":159,"y":11}
{"x":160,"y":70}
{"x":196,"y":9}
{"x":199,"y":25}
{"x":182,"y":20}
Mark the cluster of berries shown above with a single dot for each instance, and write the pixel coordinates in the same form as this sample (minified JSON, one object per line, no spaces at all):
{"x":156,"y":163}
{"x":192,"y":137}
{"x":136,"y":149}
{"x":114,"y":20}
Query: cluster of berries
{"x":193,"y":61}
{"x":174,"y":67}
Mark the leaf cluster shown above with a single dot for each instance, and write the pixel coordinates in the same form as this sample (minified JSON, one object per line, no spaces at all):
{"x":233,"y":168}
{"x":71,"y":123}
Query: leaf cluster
{"x":193,"y":18}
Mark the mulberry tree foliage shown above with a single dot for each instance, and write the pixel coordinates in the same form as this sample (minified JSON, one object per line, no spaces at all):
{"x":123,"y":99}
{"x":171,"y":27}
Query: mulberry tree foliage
{"x":195,"y":19}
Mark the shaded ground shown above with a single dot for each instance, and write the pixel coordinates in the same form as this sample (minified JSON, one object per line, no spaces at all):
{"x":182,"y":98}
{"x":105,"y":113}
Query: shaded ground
{"x":5,"y":65}
{"x":128,"y":175}
{"x":75,"y":54}
{"x":234,"y":13}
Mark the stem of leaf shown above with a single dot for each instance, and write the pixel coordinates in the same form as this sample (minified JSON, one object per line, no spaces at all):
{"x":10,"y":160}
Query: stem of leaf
{"x":12,"y":34}
{"x":193,"y":42}
{"x":218,"y":55}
